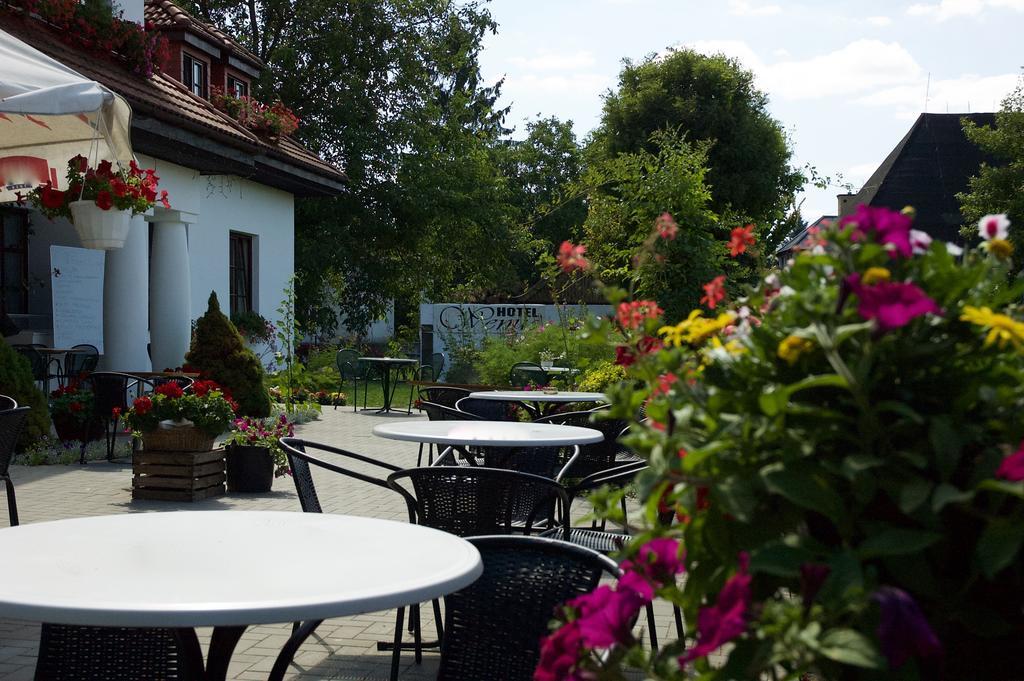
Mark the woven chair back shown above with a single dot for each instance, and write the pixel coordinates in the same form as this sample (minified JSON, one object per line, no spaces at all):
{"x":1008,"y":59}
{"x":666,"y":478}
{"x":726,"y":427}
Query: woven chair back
{"x":84,"y":362}
{"x":475,"y":501}
{"x":496,"y":410}
{"x":493,"y":627}
{"x":12,"y":421}
{"x":439,"y":412}
{"x":596,"y":456}
{"x":443,"y":396}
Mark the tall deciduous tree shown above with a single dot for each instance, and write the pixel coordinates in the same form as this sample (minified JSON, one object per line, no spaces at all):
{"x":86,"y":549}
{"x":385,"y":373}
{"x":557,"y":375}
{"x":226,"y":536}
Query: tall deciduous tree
{"x":706,"y":98}
{"x":999,"y":189}
{"x":390,"y":91}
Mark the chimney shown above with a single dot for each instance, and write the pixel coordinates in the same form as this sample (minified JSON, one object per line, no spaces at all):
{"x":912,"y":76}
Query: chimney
{"x":133,"y":10}
{"x":846,"y":204}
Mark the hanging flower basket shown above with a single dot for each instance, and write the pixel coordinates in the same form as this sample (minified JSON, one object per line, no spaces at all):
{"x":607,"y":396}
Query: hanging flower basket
{"x":100,"y":229}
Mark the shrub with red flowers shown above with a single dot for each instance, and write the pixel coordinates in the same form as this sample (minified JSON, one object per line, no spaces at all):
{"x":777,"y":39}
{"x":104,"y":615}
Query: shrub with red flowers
{"x":845,"y":461}
{"x":93,"y":26}
{"x":266,"y":120}
{"x":130,"y":188}
{"x":205,"y":404}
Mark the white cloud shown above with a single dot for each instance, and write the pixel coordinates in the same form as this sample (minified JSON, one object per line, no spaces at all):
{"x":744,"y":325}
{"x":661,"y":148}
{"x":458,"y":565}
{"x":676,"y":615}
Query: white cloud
{"x":858,"y":67}
{"x":955,"y":95}
{"x":745,"y":8}
{"x":857,"y":175}
{"x":950,"y":9}
{"x":879,"y":21}
{"x":546,"y":60}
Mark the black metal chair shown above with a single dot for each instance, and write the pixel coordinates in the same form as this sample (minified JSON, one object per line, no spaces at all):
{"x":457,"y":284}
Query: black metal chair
{"x":609,"y":542}
{"x":432,"y":371}
{"x":40,"y":366}
{"x":596,"y":456}
{"x":524,"y":373}
{"x":554,"y":462}
{"x":12,"y":421}
{"x":114,"y":390}
{"x":494,"y":626}
{"x":78,"y":363}
{"x":440,"y":412}
{"x":184,"y":381}
{"x":497,"y":410}
{"x":350,"y":368}
{"x":443,"y":395}
{"x":80,"y":653}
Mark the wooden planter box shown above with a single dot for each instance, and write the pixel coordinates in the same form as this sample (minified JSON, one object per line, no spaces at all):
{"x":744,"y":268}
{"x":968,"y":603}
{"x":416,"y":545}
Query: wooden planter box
{"x":178,"y":476}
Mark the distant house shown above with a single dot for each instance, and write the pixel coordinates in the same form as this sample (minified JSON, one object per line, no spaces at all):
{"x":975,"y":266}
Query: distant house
{"x":926,"y":170}
{"x":796,"y":242}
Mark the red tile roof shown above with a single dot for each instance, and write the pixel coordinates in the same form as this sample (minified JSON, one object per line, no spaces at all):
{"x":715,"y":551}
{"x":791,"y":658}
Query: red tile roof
{"x":167,"y":100}
{"x":165,"y":15}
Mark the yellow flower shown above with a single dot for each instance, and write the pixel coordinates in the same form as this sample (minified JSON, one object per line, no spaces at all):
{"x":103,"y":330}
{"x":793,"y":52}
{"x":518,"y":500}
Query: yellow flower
{"x":875,"y":275}
{"x":695,"y":329}
{"x":733,"y":347}
{"x":1001,"y":248}
{"x":792,"y":347}
{"x":1002,"y":329}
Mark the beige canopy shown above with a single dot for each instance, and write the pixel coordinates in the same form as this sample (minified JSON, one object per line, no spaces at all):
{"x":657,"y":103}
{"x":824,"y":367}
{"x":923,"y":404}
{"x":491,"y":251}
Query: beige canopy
{"x":48,"y":114}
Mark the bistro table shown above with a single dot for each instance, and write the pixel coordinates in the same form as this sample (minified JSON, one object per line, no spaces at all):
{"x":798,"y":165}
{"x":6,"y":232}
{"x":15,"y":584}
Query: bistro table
{"x":225,"y":569}
{"x":56,"y":356}
{"x":488,"y":433}
{"x":386,"y":363}
{"x":539,"y":397}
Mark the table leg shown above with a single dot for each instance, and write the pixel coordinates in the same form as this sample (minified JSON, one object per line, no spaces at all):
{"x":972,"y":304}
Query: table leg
{"x":222,"y":645}
{"x":386,"y":379}
{"x":287,"y":653}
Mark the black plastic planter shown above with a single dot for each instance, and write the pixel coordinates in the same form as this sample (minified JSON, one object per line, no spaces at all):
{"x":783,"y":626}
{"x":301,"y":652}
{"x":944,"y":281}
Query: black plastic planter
{"x":250,"y":470}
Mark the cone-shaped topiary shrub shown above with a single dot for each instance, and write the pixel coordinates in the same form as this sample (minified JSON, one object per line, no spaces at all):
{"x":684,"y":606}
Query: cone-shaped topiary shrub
{"x":16,"y":382}
{"x":219,"y":352}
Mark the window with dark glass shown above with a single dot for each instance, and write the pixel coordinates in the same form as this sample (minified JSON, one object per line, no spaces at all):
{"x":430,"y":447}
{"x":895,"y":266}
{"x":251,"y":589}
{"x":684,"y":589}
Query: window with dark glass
{"x":240,"y":272}
{"x":237,"y":87}
{"x":193,"y":74}
{"x":14,"y":262}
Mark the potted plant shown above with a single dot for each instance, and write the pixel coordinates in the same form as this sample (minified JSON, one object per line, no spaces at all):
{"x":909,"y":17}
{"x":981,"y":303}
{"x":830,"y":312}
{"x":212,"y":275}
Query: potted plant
{"x":840,"y":447}
{"x":72,"y":408}
{"x":172,"y":419}
{"x":269,"y":121}
{"x":100,"y":201}
{"x":547,"y":359}
{"x":254,"y":455}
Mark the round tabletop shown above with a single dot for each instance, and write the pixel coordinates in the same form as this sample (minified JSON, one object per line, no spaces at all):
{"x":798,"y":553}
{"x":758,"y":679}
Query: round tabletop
{"x":387,"y":360}
{"x":223,"y":568}
{"x":540,"y":396}
{"x":549,"y":370}
{"x":489,"y":433}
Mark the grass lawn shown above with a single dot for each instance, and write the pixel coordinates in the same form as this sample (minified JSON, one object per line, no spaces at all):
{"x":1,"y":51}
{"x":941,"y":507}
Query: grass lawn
{"x":375,"y":395}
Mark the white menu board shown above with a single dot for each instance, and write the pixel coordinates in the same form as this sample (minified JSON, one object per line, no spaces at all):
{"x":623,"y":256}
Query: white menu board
{"x":76,"y":282}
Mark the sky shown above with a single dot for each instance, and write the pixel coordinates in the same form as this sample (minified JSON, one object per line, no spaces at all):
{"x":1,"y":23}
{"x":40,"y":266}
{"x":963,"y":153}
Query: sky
{"x":845,"y":79}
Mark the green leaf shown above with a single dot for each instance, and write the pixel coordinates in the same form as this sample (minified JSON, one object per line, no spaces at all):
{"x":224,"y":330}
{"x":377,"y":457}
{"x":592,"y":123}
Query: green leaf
{"x":780,"y":560}
{"x":913,"y":494}
{"x":1015,"y":489}
{"x":804,"y":486}
{"x":774,"y":401}
{"x":737,"y":496}
{"x":947,"y":444}
{"x":896,"y":541}
{"x":999,"y":545}
{"x":948,"y":494}
{"x":848,"y":646}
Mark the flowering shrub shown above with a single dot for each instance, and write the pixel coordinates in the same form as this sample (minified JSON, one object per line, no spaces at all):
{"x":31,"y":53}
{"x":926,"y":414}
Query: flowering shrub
{"x":205,"y":404}
{"x":256,"y":432}
{"x":73,"y":402}
{"x":841,"y":446}
{"x":92,"y":26}
{"x":131,"y":189}
{"x":274,"y":119}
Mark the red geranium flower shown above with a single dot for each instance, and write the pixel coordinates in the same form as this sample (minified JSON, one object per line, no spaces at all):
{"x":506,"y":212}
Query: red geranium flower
{"x":666,"y":227}
{"x":118,"y":186}
{"x":78,"y":163}
{"x":714,"y":291}
{"x":104,"y":200}
{"x":75,"y":407}
{"x":740,"y":239}
{"x":104,"y":169}
{"x":632,"y":314}
{"x":570,"y":257}
{"x":170,"y":389}
{"x":51,"y":198}
{"x":163,"y":199}
{"x":142,"y":405}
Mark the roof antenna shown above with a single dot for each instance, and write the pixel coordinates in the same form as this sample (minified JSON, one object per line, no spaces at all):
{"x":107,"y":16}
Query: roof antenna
{"x":927,"y":91}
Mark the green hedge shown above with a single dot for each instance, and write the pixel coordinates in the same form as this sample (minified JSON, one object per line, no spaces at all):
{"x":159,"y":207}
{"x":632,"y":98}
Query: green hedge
{"x":16,"y":382}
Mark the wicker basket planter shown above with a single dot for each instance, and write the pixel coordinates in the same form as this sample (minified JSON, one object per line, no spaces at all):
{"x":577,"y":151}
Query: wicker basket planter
{"x":184,"y":438}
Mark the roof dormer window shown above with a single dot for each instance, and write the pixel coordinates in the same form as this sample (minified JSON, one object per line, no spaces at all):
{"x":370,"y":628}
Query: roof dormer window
{"x":194,"y":74}
{"x":238,"y":87}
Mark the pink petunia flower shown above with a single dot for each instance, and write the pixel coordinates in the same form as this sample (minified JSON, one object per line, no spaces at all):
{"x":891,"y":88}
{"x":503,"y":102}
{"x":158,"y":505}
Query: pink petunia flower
{"x":884,"y":225}
{"x":726,"y":619}
{"x":994,"y":227}
{"x":1012,"y":467}
{"x":659,"y":560}
{"x":891,"y":304}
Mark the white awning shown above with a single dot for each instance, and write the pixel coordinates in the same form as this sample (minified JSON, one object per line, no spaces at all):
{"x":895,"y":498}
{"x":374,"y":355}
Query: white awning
{"x":49,"y":114}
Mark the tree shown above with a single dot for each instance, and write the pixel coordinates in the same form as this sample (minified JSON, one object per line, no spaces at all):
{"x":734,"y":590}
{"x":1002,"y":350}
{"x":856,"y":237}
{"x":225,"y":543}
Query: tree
{"x":390,"y":91}
{"x":999,"y":189}
{"x":219,"y":352}
{"x":705,"y":98}
{"x":17,"y":383}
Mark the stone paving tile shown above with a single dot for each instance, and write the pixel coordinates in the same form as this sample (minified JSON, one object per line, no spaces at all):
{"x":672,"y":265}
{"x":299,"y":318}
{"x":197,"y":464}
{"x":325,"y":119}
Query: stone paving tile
{"x":343,"y":648}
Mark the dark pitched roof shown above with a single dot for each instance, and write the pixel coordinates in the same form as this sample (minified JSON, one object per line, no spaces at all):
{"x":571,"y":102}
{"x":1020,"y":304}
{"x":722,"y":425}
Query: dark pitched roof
{"x":165,"y":16}
{"x":170,"y":122}
{"x":926,"y":170}
{"x":801,"y":236}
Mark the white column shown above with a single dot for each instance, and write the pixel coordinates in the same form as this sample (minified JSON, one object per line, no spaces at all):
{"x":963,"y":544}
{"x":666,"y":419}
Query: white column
{"x":126,"y":302}
{"x":170,"y":291}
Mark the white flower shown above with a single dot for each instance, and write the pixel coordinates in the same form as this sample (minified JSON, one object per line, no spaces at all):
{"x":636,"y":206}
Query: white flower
{"x":772,"y":281}
{"x":786,"y":291}
{"x":818,"y":250}
{"x":920,"y":241}
{"x":994,"y":227}
{"x":954,"y":250}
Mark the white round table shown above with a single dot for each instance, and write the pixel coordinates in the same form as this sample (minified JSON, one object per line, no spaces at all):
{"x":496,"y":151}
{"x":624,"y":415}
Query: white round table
{"x":489,"y":433}
{"x":225,"y":569}
{"x":540,"y":396}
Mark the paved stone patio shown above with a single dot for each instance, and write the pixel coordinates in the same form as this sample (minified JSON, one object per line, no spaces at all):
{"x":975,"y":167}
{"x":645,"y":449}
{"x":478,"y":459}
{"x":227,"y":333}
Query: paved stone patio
{"x":343,"y":648}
